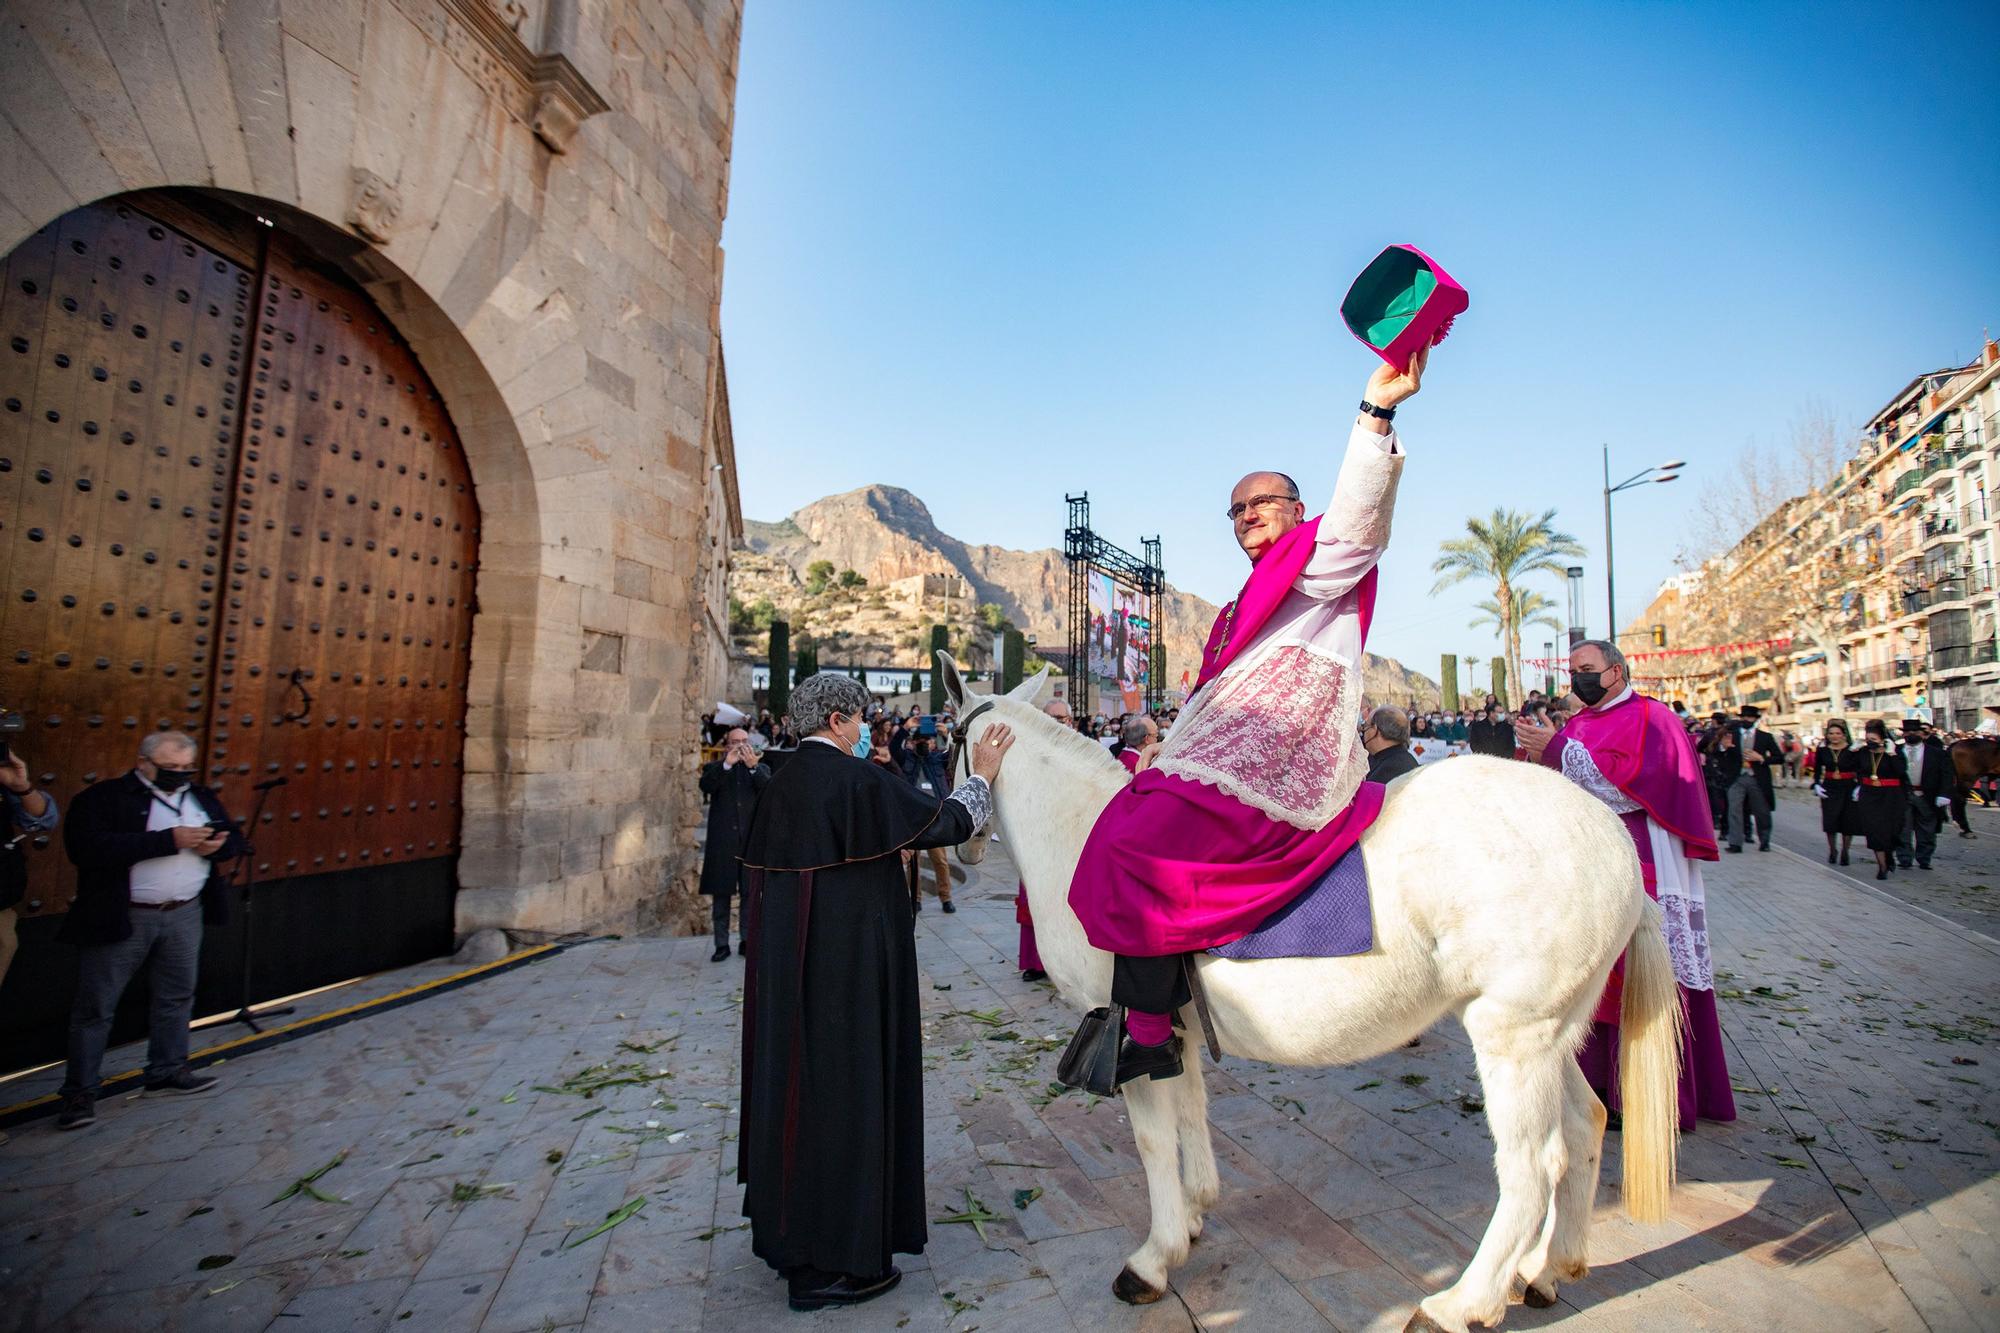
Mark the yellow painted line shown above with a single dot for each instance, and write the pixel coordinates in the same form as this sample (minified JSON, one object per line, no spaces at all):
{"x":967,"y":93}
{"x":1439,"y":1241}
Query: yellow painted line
{"x":208,"y":1054}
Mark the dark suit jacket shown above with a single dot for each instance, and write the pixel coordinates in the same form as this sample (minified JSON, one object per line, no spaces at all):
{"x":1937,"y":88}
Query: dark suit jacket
{"x":1934,"y":776}
{"x":106,"y":836}
{"x":1391,"y":763}
{"x":732,"y":799}
{"x":1767,"y":745}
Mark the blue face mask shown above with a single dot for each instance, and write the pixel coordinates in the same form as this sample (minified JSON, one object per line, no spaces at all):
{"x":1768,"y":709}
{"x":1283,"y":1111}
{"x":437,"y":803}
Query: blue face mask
{"x":862,"y":748}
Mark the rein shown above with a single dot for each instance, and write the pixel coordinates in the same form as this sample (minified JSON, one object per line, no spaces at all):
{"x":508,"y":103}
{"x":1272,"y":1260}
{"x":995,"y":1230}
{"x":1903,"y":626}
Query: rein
{"x":958,"y":753}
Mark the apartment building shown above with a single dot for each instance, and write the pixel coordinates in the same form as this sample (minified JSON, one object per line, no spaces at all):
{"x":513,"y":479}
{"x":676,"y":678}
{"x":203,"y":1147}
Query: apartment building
{"x":1882,"y":580}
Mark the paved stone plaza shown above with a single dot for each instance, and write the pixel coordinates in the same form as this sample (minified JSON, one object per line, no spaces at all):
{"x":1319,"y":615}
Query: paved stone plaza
{"x":1856,"y":1192}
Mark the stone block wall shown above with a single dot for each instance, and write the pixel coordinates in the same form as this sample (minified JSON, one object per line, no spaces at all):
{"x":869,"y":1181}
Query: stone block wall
{"x":533,"y":190}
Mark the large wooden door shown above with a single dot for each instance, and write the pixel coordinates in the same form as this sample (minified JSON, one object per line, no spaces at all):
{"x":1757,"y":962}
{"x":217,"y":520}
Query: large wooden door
{"x":231,"y":503}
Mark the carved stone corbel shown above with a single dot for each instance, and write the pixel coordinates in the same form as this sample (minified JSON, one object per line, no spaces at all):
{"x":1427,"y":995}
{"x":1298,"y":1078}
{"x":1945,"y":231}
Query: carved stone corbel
{"x":376,"y":206}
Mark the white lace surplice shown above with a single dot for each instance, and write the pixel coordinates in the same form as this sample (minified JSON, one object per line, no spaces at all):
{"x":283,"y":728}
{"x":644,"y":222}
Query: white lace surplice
{"x":1683,"y":899}
{"x":1276,"y":730}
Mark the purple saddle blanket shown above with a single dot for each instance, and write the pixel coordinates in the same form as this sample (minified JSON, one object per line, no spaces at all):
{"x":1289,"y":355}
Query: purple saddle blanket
{"x":1329,"y":920}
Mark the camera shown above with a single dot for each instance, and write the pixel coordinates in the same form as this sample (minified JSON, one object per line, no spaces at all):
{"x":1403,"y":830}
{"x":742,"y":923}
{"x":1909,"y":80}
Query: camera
{"x":10,"y":723}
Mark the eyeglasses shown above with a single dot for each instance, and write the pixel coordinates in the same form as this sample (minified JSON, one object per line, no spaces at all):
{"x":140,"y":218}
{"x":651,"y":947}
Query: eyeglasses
{"x":1237,"y":511}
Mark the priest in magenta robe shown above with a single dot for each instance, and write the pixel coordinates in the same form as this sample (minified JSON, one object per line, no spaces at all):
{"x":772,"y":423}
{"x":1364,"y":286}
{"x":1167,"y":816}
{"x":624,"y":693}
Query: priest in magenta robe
{"x":1633,"y":754}
{"x":1258,"y":789}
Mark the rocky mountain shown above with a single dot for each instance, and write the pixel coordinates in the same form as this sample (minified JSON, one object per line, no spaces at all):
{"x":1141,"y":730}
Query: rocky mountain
{"x":886,"y":534}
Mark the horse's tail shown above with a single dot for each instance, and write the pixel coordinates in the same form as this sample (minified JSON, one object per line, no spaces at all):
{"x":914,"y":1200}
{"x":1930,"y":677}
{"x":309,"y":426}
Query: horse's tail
{"x":1649,"y":1070}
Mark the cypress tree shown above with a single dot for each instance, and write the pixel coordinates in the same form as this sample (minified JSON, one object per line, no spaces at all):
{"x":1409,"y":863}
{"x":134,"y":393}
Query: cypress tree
{"x":780,"y":693}
{"x":1500,"y":680}
{"x":1015,"y":651}
{"x":1448,"y":681}
{"x":940,"y":642}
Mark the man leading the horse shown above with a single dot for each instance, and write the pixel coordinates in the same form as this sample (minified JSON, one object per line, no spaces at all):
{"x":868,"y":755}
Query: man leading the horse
{"x":1258,"y":790}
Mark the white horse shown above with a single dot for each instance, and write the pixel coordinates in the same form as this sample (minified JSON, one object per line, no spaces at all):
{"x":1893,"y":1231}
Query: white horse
{"x":1501,"y":893}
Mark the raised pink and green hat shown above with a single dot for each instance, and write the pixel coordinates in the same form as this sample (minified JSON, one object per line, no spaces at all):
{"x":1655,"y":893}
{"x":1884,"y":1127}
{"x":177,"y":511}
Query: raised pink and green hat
{"x":1401,"y":302}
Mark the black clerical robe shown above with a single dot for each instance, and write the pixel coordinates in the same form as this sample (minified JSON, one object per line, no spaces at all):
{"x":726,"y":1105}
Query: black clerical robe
{"x":832,"y":1139}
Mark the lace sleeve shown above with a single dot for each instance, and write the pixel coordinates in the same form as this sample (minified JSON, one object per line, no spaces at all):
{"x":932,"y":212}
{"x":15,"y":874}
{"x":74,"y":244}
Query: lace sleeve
{"x":1580,"y":768}
{"x":977,"y":798}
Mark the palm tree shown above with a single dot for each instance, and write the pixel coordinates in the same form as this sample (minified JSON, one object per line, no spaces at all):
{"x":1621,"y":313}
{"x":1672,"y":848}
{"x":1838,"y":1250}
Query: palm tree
{"x":1530,"y":608}
{"x":1506,"y":548}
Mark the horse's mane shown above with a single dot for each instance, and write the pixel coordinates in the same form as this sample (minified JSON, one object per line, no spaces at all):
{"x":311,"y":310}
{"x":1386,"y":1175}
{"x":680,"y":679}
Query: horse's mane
{"x":1066,"y":737}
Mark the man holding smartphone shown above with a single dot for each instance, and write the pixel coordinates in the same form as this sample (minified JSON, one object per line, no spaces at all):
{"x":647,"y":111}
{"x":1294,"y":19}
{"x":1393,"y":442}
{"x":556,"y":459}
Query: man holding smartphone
{"x":732,"y":784}
{"x":148,"y":848}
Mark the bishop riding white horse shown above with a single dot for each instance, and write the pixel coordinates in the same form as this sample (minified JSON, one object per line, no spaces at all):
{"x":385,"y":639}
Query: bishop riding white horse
{"x":1502,"y":894}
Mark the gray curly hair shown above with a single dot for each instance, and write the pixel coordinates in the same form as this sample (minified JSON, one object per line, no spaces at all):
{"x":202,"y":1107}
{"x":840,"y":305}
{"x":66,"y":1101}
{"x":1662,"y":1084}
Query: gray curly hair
{"x":818,"y":697}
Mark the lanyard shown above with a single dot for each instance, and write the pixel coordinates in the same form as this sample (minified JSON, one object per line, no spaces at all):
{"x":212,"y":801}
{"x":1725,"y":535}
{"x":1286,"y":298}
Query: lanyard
{"x":172,"y":807}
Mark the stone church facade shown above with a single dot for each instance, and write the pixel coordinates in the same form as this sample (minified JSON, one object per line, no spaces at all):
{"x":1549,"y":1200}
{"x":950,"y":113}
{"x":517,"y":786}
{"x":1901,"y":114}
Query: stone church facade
{"x":419,"y":489}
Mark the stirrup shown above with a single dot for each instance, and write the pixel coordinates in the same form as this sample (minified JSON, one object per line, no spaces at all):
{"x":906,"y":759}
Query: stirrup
{"x":1091,"y":1061}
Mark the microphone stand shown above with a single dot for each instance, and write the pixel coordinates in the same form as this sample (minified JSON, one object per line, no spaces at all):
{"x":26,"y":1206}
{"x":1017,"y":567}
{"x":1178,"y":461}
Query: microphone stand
{"x":244,"y":1013}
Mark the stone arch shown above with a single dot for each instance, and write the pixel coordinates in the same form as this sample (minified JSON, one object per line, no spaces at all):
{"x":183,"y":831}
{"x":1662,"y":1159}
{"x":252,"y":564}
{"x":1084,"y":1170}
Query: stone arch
{"x":505,"y":624}
{"x":557,"y":266}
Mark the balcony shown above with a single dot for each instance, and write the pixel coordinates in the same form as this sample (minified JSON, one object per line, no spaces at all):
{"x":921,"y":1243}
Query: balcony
{"x":1908,"y":481}
{"x":1963,"y":656}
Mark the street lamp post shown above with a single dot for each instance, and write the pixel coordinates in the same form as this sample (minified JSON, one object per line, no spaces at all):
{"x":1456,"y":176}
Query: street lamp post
{"x":1575,"y":575}
{"x":1662,"y":473}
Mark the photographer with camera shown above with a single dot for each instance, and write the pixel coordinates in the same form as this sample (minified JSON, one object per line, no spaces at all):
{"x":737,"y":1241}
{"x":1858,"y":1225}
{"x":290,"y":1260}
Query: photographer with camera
{"x":146,"y":847}
{"x":732,"y":784}
{"x":30,"y":810}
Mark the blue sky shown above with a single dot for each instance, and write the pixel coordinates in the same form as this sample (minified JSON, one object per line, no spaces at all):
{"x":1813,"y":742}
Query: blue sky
{"x":997,"y":251}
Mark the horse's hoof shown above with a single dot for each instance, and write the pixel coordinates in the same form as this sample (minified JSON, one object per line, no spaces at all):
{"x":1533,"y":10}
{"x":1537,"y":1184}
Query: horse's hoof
{"x":1135,"y":1290}
{"x":1537,"y":1299}
{"x":1423,"y":1323}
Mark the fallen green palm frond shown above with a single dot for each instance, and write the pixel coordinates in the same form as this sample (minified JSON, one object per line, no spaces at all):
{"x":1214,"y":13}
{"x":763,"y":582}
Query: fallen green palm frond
{"x":304,"y":1185}
{"x":975,"y":1215}
{"x":591,"y":1081}
{"x":462,"y":1193}
{"x":713,"y":1232}
{"x":611,"y":1219}
{"x":990,"y":1017}
{"x":1022,"y":1198}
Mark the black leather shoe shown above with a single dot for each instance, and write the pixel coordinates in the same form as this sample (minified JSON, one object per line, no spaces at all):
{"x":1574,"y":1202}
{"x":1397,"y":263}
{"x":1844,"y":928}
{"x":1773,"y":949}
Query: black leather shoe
{"x":721,"y":952}
{"x":186,"y":1083}
{"x":1843,"y":859}
{"x":1734,"y":847}
{"x":1138,"y":1061}
{"x":816,"y":1291}
{"x":948,"y":906}
{"x":1033,"y":974}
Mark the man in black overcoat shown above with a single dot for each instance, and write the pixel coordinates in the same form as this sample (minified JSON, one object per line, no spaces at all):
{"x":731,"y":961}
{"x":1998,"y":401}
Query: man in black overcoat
{"x":832,"y":1143}
{"x":732,"y":785}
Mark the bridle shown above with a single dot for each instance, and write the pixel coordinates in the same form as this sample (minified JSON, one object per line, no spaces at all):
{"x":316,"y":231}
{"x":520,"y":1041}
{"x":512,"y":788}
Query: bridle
{"x":958,"y":747}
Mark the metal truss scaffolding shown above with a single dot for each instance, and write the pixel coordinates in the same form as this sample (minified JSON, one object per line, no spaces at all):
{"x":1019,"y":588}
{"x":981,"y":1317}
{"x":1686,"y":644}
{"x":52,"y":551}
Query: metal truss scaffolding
{"x":1084,"y":551}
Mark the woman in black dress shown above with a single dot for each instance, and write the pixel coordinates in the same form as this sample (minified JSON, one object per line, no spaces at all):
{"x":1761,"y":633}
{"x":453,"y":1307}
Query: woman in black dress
{"x":1882,"y":795}
{"x":1833,"y":782}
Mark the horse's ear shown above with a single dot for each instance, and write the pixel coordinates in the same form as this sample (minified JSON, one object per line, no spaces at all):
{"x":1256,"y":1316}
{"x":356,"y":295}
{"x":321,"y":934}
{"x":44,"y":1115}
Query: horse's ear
{"x":954,"y":684}
{"x":1028,"y":689}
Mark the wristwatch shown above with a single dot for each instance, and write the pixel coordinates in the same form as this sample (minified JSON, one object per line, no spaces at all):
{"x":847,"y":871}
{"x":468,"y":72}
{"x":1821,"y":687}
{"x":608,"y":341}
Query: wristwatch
{"x":1385,"y":413}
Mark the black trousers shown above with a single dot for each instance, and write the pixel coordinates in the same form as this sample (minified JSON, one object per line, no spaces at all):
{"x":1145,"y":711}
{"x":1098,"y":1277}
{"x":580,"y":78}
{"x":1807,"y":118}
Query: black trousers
{"x":1150,"y":985}
{"x":719,"y":913}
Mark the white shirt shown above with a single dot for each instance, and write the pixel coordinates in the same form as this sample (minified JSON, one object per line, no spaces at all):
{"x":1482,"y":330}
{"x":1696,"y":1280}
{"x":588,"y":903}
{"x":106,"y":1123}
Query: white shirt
{"x":1913,"y":755}
{"x":176,"y":878}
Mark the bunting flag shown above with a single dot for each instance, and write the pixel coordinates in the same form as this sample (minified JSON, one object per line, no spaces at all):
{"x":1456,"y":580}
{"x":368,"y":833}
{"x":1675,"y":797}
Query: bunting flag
{"x":1751,"y":645}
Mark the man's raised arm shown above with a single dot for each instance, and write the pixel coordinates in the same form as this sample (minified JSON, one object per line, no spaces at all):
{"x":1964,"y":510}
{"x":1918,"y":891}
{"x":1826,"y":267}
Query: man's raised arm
{"x":1355,"y":529}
